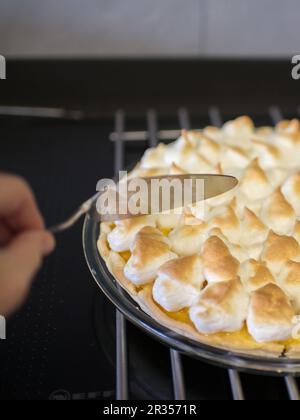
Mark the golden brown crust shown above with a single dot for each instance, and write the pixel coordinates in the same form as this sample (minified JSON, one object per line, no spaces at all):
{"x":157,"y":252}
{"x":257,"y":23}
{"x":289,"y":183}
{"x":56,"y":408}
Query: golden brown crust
{"x":291,"y":190}
{"x":189,"y":232}
{"x":277,"y":207}
{"x":187,"y":239}
{"x":221,"y":293}
{"x":217,"y":259}
{"x":208,"y":143}
{"x":296,"y":232}
{"x":252,"y":222}
{"x":290,"y":130}
{"x":257,"y":274}
{"x":288,"y":126}
{"x":176,"y":170}
{"x":208,"y":147}
{"x":295,"y":179}
{"x":255,"y":173}
{"x":267,"y":148}
{"x":227,"y":220}
{"x":122,"y":235}
{"x":293,"y":272}
{"x":254,"y":178}
{"x":211,"y":131}
{"x":190,"y":220}
{"x":155,"y":171}
{"x":245,"y":120}
{"x":269,"y":304}
{"x":149,"y":243}
{"x":181,"y":269}
{"x":133,"y":222}
{"x":213,"y":249}
{"x":280,"y":248}
{"x":262,"y":274}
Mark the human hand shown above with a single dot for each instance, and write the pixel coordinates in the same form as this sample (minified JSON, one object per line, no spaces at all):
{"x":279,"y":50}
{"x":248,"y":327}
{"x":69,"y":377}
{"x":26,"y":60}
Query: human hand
{"x":23,"y":241}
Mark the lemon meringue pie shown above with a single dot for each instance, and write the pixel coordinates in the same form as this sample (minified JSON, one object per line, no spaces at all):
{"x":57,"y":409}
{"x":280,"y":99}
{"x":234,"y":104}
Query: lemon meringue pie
{"x":228,"y":276}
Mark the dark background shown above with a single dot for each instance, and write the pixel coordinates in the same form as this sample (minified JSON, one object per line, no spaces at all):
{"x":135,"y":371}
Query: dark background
{"x":103,"y":86}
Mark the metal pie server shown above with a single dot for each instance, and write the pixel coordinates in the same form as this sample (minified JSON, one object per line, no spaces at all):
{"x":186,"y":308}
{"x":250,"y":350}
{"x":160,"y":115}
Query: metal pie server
{"x":213,"y":184}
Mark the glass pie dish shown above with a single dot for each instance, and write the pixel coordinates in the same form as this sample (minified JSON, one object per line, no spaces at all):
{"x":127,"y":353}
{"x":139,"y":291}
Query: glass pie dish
{"x":130,"y":309}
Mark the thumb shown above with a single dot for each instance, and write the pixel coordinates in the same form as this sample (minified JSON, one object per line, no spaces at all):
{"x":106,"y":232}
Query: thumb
{"x":19,"y":262}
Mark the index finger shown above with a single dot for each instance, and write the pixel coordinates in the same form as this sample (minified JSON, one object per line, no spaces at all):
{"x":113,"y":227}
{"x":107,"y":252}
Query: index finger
{"x":18,"y":207}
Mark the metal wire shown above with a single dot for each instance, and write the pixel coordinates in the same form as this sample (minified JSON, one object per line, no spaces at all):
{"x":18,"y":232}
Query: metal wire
{"x":121,"y":356}
{"x":143,"y":135}
{"x":184,"y":119}
{"x":215,"y":116}
{"x":152,"y":127}
{"x":177,"y":376}
{"x":119,"y":145}
{"x":292,"y":388}
{"x":121,"y":336}
{"x":275,"y":114}
{"x":236,"y":385}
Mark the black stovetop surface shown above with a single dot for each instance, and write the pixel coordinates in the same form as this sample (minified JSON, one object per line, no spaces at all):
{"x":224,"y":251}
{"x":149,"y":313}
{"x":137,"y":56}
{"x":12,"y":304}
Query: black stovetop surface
{"x":61,"y":343}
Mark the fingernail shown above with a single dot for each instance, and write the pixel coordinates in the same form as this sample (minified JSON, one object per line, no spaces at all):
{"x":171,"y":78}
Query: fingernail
{"x":48,"y":243}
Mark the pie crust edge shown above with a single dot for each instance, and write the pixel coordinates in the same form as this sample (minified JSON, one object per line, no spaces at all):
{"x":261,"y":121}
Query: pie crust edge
{"x":229,"y":342}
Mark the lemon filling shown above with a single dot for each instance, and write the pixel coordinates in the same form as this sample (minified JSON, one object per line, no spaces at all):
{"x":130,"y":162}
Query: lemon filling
{"x":183,"y":316}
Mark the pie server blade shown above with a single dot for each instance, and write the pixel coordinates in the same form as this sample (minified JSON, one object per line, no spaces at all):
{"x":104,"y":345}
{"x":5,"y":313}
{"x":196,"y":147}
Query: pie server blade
{"x":212,"y":186}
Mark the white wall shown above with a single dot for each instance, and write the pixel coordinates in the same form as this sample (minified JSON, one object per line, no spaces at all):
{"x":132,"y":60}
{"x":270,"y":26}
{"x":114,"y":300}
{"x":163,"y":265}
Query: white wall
{"x":149,"y":27}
